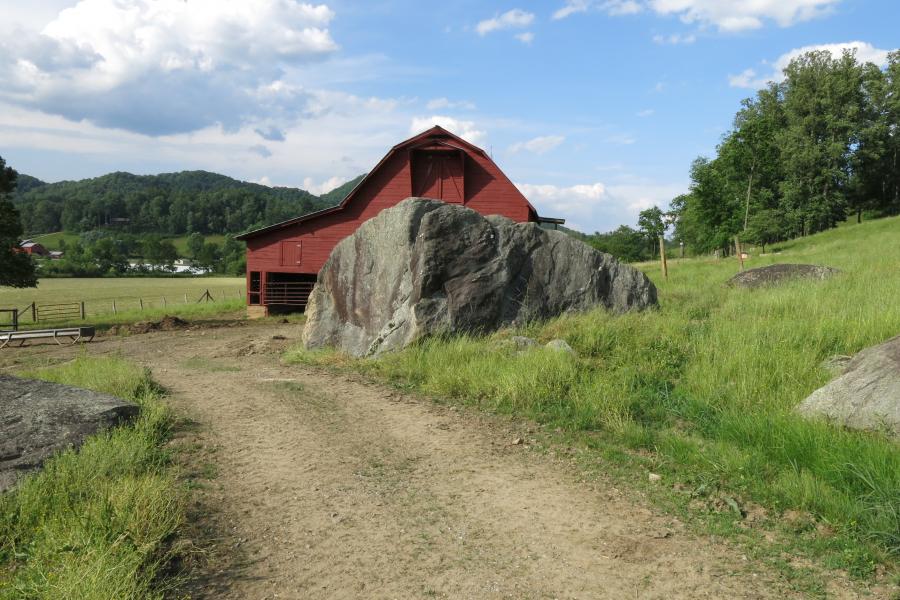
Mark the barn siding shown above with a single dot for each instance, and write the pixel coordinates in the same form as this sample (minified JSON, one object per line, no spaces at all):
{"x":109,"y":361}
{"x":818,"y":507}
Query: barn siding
{"x":486,"y":189}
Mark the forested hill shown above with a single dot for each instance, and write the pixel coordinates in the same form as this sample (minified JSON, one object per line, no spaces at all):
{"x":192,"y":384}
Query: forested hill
{"x":169,"y":203}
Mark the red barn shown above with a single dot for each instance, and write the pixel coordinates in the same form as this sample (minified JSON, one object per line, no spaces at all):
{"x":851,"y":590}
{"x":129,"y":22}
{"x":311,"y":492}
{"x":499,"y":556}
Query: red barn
{"x":283,"y":260}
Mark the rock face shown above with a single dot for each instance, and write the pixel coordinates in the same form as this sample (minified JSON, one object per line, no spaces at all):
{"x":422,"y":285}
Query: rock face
{"x":867,"y":395}
{"x":38,"y":418}
{"x":775,"y":274}
{"x":425,"y":267}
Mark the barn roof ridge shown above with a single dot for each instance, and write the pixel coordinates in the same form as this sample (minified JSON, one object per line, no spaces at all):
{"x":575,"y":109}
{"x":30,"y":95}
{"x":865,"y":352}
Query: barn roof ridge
{"x":428,"y":133}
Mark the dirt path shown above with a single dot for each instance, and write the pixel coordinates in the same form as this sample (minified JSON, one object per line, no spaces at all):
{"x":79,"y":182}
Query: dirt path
{"x":330,"y":487}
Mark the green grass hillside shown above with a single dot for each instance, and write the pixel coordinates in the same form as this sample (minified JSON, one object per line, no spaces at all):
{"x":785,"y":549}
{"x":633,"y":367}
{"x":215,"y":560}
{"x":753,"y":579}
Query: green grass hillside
{"x":702,"y":390}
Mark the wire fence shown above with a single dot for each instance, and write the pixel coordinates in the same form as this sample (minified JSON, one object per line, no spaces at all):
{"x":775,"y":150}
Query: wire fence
{"x":38,"y":312}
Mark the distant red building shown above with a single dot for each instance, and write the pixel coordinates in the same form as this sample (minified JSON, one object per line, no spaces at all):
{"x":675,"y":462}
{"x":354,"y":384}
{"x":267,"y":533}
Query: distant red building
{"x":29,"y":247}
{"x":283,"y":260}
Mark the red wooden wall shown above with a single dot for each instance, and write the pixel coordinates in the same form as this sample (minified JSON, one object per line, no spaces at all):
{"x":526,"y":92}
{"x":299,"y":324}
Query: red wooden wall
{"x":459,"y":174}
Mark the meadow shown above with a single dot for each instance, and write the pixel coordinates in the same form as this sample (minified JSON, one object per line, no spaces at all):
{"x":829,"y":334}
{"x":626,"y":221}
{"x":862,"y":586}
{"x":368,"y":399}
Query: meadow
{"x":134,"y":298}
{"x":52,"y":241}
{"x":702,"y":391}
{"x":95,"y":524}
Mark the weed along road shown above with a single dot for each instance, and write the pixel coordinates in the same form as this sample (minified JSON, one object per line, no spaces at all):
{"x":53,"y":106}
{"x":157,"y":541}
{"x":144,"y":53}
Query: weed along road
{"x":315,"y":485}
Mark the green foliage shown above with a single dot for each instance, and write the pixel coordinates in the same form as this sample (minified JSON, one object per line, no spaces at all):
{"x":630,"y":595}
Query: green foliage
{"x":95,"y":523}
{"x":624,"y":243}
{"x":16,"y":270}
{"x":706,"y":385}
{"x":166,"y":204}
{"x":652,"y":225}
{"x":800,"y":156}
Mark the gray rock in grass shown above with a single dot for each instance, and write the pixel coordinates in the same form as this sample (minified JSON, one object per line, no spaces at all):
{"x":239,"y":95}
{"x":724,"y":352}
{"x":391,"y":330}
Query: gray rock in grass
{"x":775,"y":274}
{"x":38,"y":419}
{"x":866,"y":395}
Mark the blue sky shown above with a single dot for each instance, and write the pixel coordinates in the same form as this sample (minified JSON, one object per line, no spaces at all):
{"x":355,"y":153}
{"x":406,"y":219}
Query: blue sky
{"x":595,"y":108}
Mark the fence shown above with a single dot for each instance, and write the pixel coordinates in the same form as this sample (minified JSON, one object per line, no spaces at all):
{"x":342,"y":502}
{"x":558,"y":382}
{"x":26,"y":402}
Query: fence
{"x":83,"y":309}
{"x":13,"y":323}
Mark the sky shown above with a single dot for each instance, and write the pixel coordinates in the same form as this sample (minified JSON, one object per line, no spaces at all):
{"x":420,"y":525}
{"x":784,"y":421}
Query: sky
{"x":593,"y":108}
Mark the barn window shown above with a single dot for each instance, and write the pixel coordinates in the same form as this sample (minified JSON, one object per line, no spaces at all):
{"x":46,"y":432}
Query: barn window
{"x":291,"y":253}
{"x":438,"y":174}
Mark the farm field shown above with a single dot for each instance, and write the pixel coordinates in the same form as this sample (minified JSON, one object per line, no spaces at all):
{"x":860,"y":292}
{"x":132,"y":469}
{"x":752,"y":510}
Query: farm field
{"x":132,"y":295}
{"x":702,"y":392}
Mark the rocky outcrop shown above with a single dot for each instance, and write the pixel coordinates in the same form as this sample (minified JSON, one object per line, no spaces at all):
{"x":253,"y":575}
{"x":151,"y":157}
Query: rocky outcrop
{"x":426,"y":267}
{"x":775,"y":274}
{"x":866,"y":395}
{"x":38,"y":419}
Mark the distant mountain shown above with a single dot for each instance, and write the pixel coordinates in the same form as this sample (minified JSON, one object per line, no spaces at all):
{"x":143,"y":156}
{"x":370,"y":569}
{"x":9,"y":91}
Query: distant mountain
{"x":169,"y":203}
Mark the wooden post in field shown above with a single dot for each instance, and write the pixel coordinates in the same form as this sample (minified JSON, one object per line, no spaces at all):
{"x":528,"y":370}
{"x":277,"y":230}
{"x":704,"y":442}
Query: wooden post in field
{"x":662,"y":257}
{"x":185,"y":298}
{"x":115,"y":312}
{"x":740,"y":253}
{"x":164,"y":302}
{"x":34,"y":312}
{"x":82,"y":310}
{"x":141,"y":300}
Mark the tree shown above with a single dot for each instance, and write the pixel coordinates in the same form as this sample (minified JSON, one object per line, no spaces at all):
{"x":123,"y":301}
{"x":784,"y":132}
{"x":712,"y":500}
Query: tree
{"x":16,"y":269}
{"x":652,"y":225}
{"x":765,"y":227}
{"x":624,"y":243}
{"x":195,"y":245}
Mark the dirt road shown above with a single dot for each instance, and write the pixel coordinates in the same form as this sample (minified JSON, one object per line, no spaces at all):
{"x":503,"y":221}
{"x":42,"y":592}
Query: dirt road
{"x":327,"y":486}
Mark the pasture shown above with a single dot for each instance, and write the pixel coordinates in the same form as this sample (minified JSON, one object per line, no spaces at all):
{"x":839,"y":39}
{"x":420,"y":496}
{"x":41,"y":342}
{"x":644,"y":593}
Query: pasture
{"x":130,"y":298}
{"x":703,"y":389}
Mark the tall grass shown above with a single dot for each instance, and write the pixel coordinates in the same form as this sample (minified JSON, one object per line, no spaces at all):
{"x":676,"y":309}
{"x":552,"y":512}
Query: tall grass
{"x":94,"y":523}
{"x":708,"y":382}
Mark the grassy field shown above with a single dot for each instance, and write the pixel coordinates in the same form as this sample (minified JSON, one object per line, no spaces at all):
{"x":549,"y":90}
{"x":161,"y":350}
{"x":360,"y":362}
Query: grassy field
{"x":135,"y":298}
{"x":94,"y":524}
{"x":702,"y":391}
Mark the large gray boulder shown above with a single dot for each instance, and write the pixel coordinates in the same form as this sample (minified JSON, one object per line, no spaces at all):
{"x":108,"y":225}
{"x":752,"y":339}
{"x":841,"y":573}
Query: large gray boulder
{"x":775,"y":274}
{"x":866,"y":395}
{"x":426,"y":267}
{"x":38,"y":419}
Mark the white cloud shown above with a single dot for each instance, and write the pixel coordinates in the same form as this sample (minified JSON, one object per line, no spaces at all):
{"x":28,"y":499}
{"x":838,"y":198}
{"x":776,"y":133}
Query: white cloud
{"x":526,"y":37}
{"x":675,"y":38}
{"x":611,"y":7}
{"x":598,"y":206}
{"x":442,"y":103}
{"x":739,"y":15}
{"x":725,"y":15}
{"x":464,"y":129}
{"x":324,"y":187}
{"x":865,"y":52}
{"x":648,"y":112}
{"x":166,"y":66}
{"x":538,"y":145}
{"x":511,"y":19}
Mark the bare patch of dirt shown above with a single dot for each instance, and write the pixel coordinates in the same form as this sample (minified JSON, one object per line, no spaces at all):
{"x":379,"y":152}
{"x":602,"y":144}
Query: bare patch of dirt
{"x":167,"y":323}
{"x":328,"y":486}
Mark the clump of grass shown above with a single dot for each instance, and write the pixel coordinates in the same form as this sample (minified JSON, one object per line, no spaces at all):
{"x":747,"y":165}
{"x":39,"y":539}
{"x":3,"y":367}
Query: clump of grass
{"x":94,"y":523}
{"x":707,"y":384}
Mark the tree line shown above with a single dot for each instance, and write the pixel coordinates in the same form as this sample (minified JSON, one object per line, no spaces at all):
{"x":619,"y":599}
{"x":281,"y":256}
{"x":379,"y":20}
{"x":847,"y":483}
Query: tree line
{"x":802,"y":155}
{"x":102,"y":253}
{"x":170,"y":203}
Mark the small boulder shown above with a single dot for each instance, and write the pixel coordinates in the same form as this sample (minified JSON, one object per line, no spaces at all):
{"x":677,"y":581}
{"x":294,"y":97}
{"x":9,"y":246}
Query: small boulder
{"x":866,"y":395}
{"x":560,"y":346}
{"x":520,"y":342}
{"x":39,"y":418}
{"x":775,"y":274}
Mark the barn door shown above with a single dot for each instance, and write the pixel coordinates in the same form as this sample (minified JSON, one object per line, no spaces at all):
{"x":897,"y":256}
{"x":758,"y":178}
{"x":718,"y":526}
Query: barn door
{"x":291,"y":253}
{"x":438,"y":175}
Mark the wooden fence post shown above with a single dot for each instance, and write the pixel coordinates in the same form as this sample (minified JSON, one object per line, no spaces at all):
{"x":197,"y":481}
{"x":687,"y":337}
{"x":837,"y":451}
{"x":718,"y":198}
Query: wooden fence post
{"x":164,"y":302}
{"x":662,"y":257}
{"x":82,"y":310}
{"x":115,"y":312}
{"x":185,"y":298}
{"x":141,"y":300}
{"x":34,"y":312}
{"x":737,"y":248}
